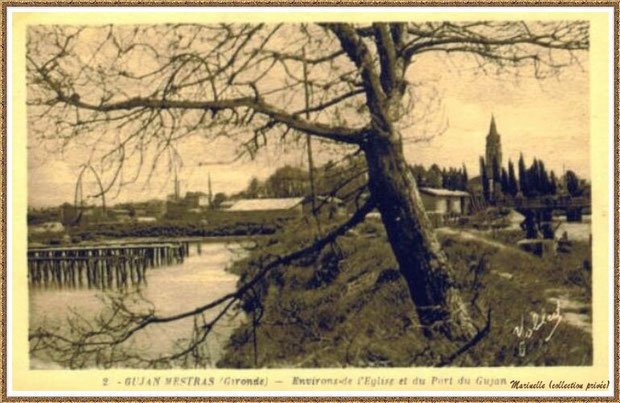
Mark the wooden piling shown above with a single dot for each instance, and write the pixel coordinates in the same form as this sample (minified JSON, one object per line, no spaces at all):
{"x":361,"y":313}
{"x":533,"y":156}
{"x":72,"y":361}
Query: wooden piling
{"x":102,"y":265}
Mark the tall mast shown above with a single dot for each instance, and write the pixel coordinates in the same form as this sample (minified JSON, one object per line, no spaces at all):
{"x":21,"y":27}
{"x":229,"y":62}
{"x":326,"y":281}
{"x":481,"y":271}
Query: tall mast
{"x":177,"y":187}
{"x":308,"y":138}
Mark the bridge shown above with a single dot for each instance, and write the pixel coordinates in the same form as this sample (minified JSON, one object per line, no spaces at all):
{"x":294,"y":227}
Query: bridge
{"x":543,"y":207}
{"x":101,"y":266}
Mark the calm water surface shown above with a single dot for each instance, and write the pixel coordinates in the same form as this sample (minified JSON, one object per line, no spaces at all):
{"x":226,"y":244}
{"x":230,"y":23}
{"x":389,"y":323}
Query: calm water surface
{"x":169,"y":290}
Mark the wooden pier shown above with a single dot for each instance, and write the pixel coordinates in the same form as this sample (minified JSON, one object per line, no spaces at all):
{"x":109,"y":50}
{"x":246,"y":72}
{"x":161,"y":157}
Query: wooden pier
{"x":101,"y":266}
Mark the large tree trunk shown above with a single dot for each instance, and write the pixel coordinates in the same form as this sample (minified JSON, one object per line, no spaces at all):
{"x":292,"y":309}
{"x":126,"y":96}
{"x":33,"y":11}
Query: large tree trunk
{"x":422,"y":262}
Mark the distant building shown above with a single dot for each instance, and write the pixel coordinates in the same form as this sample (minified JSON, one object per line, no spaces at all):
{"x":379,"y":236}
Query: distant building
{"x":444,"y":201}
{"x":285,"y":204}
{"x":493,"y":156}
{"x":53,"y":226}
{"x":325,"y":205}
{"x":196,"y":199}
{"x":493,"y":149}
{"x":439,"y":204}
{"x":194,"y":203}
{"x":146,"y":219}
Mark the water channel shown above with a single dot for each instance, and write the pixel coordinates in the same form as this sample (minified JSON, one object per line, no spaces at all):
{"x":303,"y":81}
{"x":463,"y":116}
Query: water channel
{"x":169,"y":290}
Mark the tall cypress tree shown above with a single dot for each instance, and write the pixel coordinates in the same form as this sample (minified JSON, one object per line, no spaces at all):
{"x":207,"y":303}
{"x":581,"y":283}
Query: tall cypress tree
{"x":545,"y":183}
{"x":484,"y":179}
{"x":513,"y":187}
{"x":523,"y":185}
{"x":465,"y":178}
{"x":504,"y":181}
{"x":553,"y":183}
{"x":533,"y":179}
{"x":444,"y":179}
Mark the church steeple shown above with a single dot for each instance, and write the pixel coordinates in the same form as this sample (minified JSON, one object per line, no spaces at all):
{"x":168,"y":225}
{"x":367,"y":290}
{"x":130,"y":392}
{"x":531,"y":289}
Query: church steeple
{"x":493,"y":154}
{"x":493,"y":128}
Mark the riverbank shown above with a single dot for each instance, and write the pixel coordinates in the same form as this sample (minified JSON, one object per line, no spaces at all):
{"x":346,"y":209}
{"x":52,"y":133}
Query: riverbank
{"x":349,"y":305}
{"x":223,"y":228}
{"x":170,"y":290}
{"x":150,"y":240}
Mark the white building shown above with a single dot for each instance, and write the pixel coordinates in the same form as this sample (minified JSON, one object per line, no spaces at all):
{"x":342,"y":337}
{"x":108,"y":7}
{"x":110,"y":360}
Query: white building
{"x":51,"y":226}
{"x":285,"y":204}
{"x":444,"y":201}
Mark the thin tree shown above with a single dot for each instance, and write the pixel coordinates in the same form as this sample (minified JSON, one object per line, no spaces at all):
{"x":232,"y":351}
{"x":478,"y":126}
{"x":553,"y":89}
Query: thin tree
{"x":523,"y":177}
{"x":553,"y":183}
{"x":573,"y":185}
{"x":504,"y":181}
{"x":484,"y":179}
{"x":465,"y":178}
{"x":545,"y":183}
{"x":513,"y":187}
{"x":533,"y":179}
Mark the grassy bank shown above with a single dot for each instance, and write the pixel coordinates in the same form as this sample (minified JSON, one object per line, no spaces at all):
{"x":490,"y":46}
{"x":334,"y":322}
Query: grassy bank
{"x":349,"y":305}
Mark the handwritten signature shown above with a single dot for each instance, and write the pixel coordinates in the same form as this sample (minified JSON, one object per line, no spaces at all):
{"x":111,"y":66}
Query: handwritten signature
{"x":539,"y":320}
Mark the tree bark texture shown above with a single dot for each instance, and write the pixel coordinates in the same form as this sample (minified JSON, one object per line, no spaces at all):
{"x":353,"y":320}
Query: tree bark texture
{"x":422,"y":262}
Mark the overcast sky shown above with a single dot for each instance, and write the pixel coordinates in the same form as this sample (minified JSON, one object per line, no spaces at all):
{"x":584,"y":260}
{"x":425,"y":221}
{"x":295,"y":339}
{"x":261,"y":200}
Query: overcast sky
{"x":547,"y":119}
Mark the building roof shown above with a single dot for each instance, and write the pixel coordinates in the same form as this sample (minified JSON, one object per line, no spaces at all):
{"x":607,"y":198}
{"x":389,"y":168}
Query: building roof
{"x":444,"y":192}
{"x":265,"y":204}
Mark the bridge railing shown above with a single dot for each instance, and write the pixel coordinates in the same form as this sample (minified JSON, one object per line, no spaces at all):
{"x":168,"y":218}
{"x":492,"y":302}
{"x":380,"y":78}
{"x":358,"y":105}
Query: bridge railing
{"x":556,"y":202}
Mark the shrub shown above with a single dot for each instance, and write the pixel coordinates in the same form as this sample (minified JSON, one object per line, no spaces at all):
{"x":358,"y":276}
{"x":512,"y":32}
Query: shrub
{"x":361,"y":314}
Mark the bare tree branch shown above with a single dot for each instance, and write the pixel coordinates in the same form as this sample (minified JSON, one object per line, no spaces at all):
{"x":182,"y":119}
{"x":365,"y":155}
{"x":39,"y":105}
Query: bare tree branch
{"x":109,"y":335}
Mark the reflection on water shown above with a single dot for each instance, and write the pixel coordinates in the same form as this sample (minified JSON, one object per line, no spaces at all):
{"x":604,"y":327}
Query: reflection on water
{"x":169,"y":289}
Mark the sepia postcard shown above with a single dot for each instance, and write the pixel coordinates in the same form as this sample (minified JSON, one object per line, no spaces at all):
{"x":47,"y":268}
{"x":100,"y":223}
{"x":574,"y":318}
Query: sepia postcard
{"x":277,"y":202}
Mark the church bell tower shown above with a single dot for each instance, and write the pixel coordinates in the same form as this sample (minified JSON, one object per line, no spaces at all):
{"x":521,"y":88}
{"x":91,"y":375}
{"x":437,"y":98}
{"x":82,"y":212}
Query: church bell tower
{"x":493,"y":153}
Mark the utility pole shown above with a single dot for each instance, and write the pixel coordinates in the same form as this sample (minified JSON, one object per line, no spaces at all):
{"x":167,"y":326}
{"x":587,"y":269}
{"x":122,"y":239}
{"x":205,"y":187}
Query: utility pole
{"x":309,"y":141}
{"x":177,"y":187}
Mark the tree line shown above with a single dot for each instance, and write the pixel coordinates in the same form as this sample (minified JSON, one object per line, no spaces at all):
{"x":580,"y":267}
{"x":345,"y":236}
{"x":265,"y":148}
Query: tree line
{"x":346,"y":177}
{"x":436,"y":177}
{"x":532,"y":181}
{"x":342,"y":179}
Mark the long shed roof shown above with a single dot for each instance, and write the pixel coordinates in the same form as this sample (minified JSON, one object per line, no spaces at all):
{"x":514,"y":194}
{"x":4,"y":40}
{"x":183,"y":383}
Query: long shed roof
{"x":265,"y":204}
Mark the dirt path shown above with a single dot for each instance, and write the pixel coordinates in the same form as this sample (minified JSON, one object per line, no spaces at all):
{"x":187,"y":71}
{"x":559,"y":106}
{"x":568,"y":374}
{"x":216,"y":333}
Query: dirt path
{"x":574,"y":313}
{"x":470,"y":236}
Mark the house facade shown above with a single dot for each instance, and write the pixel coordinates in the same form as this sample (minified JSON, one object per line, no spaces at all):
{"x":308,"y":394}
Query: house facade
{"x":445,"y":202}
